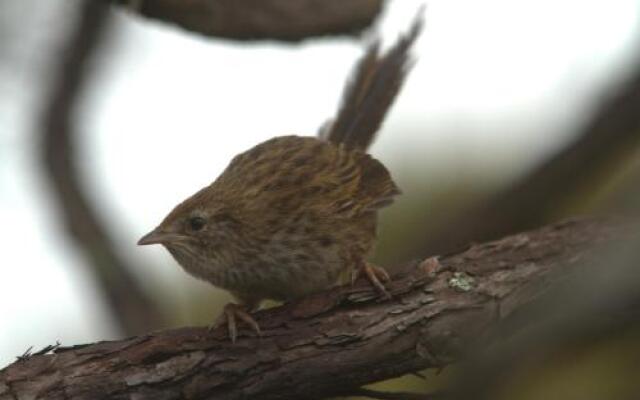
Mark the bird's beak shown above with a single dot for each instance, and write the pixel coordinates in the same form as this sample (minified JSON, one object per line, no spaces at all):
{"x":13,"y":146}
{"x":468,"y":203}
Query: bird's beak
{"x":159,"y":237}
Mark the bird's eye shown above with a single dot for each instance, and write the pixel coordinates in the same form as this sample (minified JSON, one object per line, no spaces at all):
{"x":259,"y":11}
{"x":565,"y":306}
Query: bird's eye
{"x":197,"y":223}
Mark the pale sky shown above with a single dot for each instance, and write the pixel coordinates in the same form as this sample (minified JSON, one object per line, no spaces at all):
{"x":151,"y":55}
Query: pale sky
{"x":497,"y":84}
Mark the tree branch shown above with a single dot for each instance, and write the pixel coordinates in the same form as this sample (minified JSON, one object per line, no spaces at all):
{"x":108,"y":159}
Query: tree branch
{"x":131,"y":308}
{"x":262,"y":19}
{"x":601,"y":305}
{"x":376,"y":394}
{"x":605,"y":142}
{"x":329,"y":343}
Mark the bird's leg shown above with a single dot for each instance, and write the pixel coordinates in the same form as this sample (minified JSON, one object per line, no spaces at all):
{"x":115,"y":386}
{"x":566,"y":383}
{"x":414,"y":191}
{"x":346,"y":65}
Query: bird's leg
{"x":229,"y":314}
{"x":374,"y":274}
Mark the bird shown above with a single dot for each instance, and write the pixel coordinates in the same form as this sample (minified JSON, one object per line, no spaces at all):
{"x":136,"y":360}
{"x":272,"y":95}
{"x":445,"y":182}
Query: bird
{"x":292,"y":215}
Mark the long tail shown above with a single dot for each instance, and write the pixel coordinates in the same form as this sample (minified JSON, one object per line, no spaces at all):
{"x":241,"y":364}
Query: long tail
{"x":374,"y":85}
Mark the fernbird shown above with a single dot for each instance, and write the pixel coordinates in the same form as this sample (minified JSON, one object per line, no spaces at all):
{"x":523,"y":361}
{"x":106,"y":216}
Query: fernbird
{"x":291,"y":215}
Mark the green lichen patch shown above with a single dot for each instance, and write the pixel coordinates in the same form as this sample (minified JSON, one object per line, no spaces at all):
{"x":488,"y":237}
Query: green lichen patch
{"x":461,"y":281}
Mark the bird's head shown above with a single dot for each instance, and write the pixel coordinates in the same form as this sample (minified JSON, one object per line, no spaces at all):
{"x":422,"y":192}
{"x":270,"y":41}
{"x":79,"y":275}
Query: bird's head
{"x":200,"y":230}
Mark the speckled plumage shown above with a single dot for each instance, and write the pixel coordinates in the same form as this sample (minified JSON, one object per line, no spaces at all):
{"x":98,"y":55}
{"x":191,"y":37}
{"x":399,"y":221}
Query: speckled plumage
{"x":286,"y":218}
{"x":289,"y":216}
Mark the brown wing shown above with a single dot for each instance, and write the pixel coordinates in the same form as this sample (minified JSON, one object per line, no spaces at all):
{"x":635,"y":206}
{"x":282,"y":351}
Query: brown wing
{"x":292,"y":173}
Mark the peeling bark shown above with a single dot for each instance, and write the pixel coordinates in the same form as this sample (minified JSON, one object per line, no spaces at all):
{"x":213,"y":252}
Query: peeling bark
{"x":330,"y":342}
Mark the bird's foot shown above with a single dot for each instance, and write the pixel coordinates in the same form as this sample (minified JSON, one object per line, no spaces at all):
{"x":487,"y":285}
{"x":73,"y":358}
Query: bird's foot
{"x":374,"y":274}
{"x":228,"y":316}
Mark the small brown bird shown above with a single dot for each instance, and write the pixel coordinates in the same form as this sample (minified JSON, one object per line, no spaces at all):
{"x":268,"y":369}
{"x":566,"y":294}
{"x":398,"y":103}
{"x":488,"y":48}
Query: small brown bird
{"x":291,"y":215}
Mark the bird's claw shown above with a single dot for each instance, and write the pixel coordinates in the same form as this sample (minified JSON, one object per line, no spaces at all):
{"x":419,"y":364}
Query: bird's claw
{"x":228,"y":316}
{"x":374,"y":274}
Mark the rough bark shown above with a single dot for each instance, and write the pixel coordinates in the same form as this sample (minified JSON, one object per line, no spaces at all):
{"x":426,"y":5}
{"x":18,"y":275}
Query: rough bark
{"x":329,"y":343}
{"x":283,"y":20}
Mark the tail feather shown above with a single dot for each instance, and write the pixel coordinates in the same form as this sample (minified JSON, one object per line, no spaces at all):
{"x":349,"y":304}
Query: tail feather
{"x":376,"y":81}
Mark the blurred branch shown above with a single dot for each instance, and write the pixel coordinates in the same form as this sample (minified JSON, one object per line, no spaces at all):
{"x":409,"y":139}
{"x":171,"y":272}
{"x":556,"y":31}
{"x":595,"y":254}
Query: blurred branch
{"x":376,"y":394}
{"x":328,"y":343}
{"x":601,"y":305}
{"x":262,"y":19}
{"x":606,"y":141}
{"x":132,"y":310}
